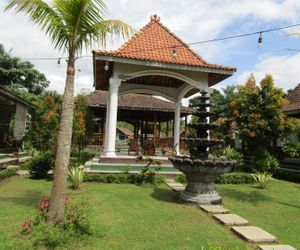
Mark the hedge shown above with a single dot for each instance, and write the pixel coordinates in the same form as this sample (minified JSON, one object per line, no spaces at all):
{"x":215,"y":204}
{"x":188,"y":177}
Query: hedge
{"x":7,"y":173}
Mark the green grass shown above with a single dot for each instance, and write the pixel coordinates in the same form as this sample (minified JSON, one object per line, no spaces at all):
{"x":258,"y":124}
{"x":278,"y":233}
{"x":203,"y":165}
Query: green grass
{"x":275,"y":209}
{"x":123,"y":216}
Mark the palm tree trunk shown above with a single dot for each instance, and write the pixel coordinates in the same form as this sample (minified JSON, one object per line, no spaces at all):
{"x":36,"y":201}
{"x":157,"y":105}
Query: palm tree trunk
{"x":59,"y":185}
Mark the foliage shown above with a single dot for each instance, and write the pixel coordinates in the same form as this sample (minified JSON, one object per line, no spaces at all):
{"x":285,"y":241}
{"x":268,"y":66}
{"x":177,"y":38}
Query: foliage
{"x":7,"y":173}
{"x":235,"y":178}
{"x":13,"y":70}
{"x":262,"y":179}
{"x":41,"y":164}
{"x":231,"y":154}
{"x":292,"y":150}
{"x":264,"y":162}
{"x":181,"y":178}
{"x":124,"y":178}
{"x":257,"y":110}
{"x":74,"y":225}
{"x":75,"y":177}
{"x":84,"y":156}
{"x":82,"y":123}
{"x":43,"y":131}
{"x":148,"y":173}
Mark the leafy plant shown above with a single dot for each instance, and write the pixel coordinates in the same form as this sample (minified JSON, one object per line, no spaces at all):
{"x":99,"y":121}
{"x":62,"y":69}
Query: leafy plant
{"x":7,"y":173}
{"x":262,"y":179}
{"x":292,"y":150}
{"x":235,"y":178}
{"x":41,"y":164}
{"x":181,"y":178}
{"x":264,"y":162}
{"x":74,"y":225}
{"x":148,"y":173}
{"x":75,"y":177}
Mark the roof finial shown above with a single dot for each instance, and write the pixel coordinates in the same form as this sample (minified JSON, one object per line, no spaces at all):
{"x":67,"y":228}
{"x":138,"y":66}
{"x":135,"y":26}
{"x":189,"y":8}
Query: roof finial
{"x":155,"y":18}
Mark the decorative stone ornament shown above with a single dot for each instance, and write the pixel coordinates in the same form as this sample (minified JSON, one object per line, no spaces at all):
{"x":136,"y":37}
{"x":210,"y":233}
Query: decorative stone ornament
{"x":201,"y":172}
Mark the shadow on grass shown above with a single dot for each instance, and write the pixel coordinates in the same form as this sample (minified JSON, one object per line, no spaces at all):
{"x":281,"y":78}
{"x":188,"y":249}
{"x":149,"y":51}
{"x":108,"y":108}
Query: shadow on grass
{"x":253,"y":197}
{"x":165,"y":195}
{"x":28,"y":198}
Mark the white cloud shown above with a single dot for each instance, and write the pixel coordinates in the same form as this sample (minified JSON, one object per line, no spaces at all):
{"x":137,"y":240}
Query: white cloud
{"x":285,"y":70}
{"x":191,"y":20}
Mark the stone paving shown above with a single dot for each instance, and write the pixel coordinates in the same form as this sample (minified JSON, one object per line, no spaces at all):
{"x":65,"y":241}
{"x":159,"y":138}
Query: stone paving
{"x":253,"y":234}
{"x":230,"y":219}
{"x":214,"y":209}
{"x":276,"y":247}
{"x":237,"y":224}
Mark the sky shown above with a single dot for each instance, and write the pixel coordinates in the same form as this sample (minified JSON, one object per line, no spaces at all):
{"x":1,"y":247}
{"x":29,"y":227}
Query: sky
{"x":191,"y":20}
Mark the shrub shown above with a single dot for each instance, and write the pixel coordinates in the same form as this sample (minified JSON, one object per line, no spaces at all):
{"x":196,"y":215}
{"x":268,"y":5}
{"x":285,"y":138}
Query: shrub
{"x":181,"y":178}
{"x":75,"y":177}
{"x":231,"y":154}
{"x":262,"y":179}
{"x":73,"y":226}
{"x":7,"y":173}
{"x":263,"y":162}
{"x":235,"y":178}
{"x":41,"y":164}
{"x":292,"y":150}
{"x":125,"y":178}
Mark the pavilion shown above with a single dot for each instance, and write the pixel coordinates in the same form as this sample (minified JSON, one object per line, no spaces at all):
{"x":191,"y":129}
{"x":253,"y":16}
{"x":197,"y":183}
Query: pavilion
{"x":145,"y":113}
{"x":154,"y":62}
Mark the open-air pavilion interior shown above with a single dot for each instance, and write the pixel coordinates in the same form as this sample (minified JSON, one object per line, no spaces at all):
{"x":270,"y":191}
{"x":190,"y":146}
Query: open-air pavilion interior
{"x":153,"y":62}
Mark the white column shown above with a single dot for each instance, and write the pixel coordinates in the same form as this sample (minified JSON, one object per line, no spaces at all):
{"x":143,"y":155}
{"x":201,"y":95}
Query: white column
{"x":112,"y":109}
{"x":177,"y":127}
{"x":106,"y":124}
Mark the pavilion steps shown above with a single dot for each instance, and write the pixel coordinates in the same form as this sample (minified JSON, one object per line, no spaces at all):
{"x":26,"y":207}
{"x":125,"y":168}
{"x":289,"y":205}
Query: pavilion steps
{"x":13,"y":159}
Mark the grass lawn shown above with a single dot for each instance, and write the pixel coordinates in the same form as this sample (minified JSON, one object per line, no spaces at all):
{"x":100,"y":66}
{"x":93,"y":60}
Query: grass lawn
{"x":276,"y":209}
{"x":123,"y":216}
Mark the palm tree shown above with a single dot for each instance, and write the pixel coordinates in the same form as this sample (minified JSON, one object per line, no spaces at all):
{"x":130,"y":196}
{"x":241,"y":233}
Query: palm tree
{"x":71,"y":25}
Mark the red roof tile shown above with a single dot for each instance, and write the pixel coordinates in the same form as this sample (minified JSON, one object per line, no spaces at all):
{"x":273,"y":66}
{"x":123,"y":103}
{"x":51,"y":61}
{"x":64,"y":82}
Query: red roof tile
{"x":155,"y":42}
{"x":294,"y":102}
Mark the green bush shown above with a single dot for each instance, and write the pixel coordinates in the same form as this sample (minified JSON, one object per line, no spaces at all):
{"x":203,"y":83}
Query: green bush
{"x":292,"y":150}
{"x":75,"y":177}
{"x":181,"y":178}
{"x":263,"y":162}
{"x":231,"y":154}
{"x":74,"y":226}
{"x":7,"y":173}
{"x":125,"y":178}
{"x":41,"y":164}
{"x":262,"y":179}
{"x":84,"y":156}
{"x":235,"y":178}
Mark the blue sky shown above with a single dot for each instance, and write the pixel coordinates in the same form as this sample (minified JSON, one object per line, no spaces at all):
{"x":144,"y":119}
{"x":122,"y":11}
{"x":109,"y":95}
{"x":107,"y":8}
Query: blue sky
{"x":191,"y":20}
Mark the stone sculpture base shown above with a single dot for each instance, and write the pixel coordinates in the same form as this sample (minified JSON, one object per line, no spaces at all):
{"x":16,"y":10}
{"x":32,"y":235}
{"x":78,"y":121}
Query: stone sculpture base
{"x":201,"y":199}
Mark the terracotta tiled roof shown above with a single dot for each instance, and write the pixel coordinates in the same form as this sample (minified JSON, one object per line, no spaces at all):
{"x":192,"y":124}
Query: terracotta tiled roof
{"x":134,"y":102}
{"x":294,"y":102}
{"x":125,"y":131}
{"x":155,"y":42}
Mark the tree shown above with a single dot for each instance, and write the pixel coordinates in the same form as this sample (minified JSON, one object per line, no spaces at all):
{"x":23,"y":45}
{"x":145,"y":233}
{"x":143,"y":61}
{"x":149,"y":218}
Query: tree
{"x":43,"y":131}
{"x":71,"y":26}
{"x":14,"y":71}
{"x":257,"y":110}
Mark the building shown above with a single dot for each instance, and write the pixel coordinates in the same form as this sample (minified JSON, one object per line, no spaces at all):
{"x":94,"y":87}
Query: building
{"x":13,"y":110}
{"x":154,"y":62}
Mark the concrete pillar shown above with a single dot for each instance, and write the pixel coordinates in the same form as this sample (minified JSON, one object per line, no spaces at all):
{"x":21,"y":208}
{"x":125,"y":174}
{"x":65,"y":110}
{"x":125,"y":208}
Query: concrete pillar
{"x":111,"y":122}
{"x":20,"y":121}
{"x":177,"y":127}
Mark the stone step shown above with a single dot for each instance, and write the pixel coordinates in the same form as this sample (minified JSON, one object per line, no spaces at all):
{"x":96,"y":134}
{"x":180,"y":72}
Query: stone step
{"x":3,"y":156}
{"x":176,"y":186}
{"x":230,"y":219}
{"x":253,"y":234}
{"x":276,"y":247}
{"x":214,"y":209}
{"x":8,"y":161}
{"x":23,"y":172}
{"x":24,"y":159}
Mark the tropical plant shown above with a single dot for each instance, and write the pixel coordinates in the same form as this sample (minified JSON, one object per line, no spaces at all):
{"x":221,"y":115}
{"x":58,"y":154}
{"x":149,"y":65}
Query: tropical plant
{"x":71,"y":26}
{"x":75,"y":177}
{"x":262,"y":179}
{"x":292,"y":150}
{"x":264,"y":162}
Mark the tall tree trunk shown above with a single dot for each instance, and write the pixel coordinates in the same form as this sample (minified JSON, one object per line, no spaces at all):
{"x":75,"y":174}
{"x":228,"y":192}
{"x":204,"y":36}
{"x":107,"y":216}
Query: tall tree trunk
{"x":59,"y":185}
